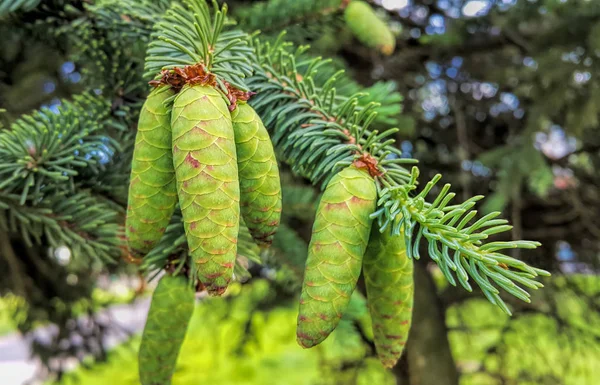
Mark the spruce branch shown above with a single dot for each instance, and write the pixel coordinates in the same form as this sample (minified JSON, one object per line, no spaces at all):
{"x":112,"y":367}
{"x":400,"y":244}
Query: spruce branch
{"x":449,"y":229}
{"x":190,"y":35}
{"x":296,"y":99}
{"x":51,"y":165}
{"x":384,"y":93}
{"x":334,"y":130}
{"x":84,"y":223}
{"x":47,"y":148}
{"x":388,"y":101}
{"x":317,"y":132}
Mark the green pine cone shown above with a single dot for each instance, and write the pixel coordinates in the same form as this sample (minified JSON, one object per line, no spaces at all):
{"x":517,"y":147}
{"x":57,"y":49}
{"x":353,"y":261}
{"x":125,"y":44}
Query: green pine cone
{"x":260,"y":187}
{"x":206,"y":168}
{"x":152,"y":194}
{"x":368,"y":28}
{"x":388,"y":276}
{"x":339,"y":239}
{"x":170,"y":312}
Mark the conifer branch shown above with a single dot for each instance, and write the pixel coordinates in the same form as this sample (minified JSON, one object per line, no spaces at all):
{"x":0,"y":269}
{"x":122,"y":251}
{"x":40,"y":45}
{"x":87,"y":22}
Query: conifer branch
{"x":318,"y":132}
{"x":451,"y":229}
{"x":388,"y":101}
{"x":334,"y":130}
{"x":190,"y":35}
{"x":85,"y":224}
{"x":318,"y":128}
{"x":296,"y":95}
{"x":47,"y":148}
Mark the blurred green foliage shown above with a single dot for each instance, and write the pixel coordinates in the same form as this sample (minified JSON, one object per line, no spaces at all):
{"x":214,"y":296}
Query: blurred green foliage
{"x":10,"y":313}
{"x":243,"y":339}
{"x":13,"y":309}
{"x":240,"y":340}
{"x":540,"y":56}
{"x":555,"y":346}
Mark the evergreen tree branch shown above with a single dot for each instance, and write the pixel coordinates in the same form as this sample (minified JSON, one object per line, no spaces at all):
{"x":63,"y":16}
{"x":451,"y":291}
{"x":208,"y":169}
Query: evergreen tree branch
{"x":318,"y":131}
{"x":287,"y":99}
{"x":50,"y":149}
{"x":334,"y":128}
{"x":387,"y":99}
{"x":446,"y":229}
{"x":87,"y":225}
{"x":190,"y":35}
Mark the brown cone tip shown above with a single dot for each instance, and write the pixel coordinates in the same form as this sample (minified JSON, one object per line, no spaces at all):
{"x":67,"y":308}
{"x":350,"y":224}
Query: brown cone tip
{"x":197,"y":74}
{"x":367,"y":161}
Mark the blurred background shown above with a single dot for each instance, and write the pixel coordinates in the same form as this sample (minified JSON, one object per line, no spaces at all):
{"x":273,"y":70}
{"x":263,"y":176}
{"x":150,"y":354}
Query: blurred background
{"x":502,"y":97}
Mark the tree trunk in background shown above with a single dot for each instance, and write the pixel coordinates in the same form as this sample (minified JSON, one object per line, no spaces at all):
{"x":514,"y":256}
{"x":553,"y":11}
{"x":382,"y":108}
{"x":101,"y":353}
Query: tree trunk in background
{"x":430,"y":360}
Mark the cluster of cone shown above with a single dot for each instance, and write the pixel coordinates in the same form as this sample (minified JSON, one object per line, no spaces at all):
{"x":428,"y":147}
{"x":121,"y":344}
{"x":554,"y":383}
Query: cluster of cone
{"x":343,"y":241}
{"x":211,"y":153}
